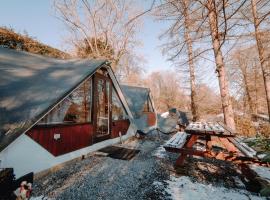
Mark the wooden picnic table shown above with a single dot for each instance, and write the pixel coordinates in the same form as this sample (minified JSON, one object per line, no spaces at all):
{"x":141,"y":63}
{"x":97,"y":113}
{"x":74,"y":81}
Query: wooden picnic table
{"x":183,"y":142}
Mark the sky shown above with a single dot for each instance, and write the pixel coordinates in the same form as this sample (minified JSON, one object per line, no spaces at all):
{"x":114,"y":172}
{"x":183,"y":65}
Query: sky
{"x":38,"y":19}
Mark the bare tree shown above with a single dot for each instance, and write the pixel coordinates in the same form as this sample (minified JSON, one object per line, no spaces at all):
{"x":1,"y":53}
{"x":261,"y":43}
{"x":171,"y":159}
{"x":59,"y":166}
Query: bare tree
{"x":100,"y":26}
{"x":211,"y":20}
{"x":178,"y":11}
{"x":216,"y":35}
{"x":208,"y":100}
{"x":264,"y":61}
{"x":243,"y":69}
{"x":187,"y":23}
{"x":166,"y":90}
{"x":247,"y":79}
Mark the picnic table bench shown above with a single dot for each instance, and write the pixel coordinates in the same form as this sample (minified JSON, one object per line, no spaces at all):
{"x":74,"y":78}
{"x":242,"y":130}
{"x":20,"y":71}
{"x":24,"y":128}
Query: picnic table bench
{"x":183,"y":142}
{"x":177,"y":141}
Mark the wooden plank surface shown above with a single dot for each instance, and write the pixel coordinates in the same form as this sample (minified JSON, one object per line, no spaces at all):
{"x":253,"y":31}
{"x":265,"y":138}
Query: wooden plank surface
{"x":208,"y":128}
{"x":72,"y":137}
{"x":177,"y":141}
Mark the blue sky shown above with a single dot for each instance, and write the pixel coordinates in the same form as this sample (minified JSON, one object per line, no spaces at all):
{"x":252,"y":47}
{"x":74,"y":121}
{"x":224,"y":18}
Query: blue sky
{"x":35,"y":17}
{"x":38,"y":19}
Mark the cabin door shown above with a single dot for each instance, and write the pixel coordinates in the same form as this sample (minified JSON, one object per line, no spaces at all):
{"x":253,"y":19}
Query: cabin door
{"x":102,"y":107}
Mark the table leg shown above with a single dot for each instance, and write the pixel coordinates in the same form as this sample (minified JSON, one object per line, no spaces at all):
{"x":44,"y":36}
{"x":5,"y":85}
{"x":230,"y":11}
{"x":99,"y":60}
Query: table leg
{"x":191,"y":141}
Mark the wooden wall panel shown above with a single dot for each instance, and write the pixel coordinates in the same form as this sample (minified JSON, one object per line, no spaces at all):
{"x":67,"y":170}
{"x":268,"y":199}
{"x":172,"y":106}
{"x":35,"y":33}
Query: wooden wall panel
{"x":151,"y":118}
{"x":72,"y":137}
{"x":119,"y":126}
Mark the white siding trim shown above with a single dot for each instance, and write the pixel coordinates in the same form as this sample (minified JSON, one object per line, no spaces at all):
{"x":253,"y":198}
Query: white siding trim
{"x":25,"y":155}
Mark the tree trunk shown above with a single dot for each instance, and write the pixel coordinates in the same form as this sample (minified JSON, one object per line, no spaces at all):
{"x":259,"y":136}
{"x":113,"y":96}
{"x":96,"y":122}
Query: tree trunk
{"x":250,"y":102}
{"x":264,"y":64}
{"x":193,"y":95}
{"x":247,"y":89}
{"x":220,"y":68}
{"x":256,"y":90}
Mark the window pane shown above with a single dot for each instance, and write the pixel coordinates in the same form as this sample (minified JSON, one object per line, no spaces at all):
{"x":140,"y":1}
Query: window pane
{"x":146,"y":107}
{"x":151,"y":109}
{"x":103,"y":97}
{"x":76,"y":108}
{"x":118,"y":111}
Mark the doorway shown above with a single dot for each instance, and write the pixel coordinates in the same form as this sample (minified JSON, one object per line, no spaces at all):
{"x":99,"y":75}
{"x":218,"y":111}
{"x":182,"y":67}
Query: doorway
{"x":102,"y":107}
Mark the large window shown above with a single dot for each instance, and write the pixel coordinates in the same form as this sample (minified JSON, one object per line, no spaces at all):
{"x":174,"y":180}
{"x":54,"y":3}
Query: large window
{"x":76,"y":108}
{"x":103,"y":103}
{"x":148,"y":107}
{"x":118,"y":111}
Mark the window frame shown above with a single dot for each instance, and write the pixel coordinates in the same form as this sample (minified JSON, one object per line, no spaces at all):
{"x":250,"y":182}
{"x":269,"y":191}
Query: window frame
{"x":126,"y":113}
{"x":60,"y":103}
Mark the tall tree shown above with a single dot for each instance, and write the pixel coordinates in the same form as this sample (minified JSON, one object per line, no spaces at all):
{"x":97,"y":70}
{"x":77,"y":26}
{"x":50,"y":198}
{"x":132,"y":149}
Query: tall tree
{"x":242,"y":63}
{"x":102,"y":27}
{"x":187,"y":23}
{"x":178,"y":11}
{"x":218,"y":17}
{"x":265,"y":66}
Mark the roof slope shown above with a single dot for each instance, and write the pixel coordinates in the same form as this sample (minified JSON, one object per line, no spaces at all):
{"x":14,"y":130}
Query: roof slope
{"x":31,"y":84}
{"x":136,"y":98}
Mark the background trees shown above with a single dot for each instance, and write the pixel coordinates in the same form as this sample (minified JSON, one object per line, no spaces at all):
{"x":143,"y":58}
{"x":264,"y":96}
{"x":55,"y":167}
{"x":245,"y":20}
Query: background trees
{"x":263,"y":55}
{"x":206,"y":23}
{"x":230,"y":37}
{"x":222,"y":26}
{"x":100,"y":28}
{"x":167,"y":91}
{"x":13,"y":40}
{"x":247,"y":80}
{"x":179,"y":41}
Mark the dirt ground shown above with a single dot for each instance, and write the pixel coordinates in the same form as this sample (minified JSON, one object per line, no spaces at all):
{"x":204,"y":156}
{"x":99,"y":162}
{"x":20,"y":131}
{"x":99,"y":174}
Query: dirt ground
{"x":149,"y":175}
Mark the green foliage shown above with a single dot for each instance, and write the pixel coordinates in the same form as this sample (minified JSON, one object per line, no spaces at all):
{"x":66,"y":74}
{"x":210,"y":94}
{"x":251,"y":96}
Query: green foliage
{"x":260,"y":143}
{"x":266,"y":158}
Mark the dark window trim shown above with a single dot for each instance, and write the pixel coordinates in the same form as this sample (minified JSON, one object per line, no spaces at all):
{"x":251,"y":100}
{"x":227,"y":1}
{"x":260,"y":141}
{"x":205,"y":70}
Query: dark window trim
{"x":90,"y":79}
{"x":113,"y":88}
{"x":150,"y":104}
{"x":62,"y":124}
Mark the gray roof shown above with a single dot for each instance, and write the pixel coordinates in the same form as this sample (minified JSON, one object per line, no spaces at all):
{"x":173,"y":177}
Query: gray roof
{"x":136,"y":98}
{"x":31,"y":84}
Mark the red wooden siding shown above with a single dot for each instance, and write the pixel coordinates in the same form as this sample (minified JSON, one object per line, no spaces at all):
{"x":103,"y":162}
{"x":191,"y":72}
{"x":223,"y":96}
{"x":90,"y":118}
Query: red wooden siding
{"x":72,"y":137}
{"x":151,"y":118}
{"x":119,"y":126}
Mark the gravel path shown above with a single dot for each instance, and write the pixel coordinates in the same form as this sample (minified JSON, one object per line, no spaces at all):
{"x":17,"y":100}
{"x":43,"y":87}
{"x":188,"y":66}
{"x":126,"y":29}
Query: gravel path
{"x":99,"y":177}
{"x":149,"y":175}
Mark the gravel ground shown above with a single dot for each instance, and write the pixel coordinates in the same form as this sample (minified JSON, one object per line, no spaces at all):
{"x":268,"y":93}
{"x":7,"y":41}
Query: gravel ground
{"x":144,"y":177}
{"x":100,"y":177}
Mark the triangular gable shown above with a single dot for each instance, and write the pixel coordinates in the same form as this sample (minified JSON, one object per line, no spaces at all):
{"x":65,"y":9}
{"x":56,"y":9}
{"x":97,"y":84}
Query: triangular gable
{"x":32,"y":85}
{"x":136,"y":98}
